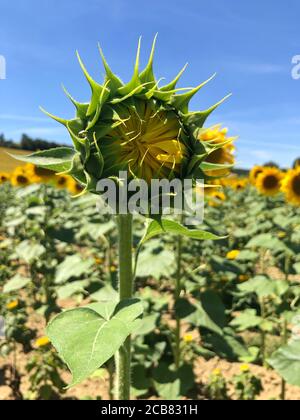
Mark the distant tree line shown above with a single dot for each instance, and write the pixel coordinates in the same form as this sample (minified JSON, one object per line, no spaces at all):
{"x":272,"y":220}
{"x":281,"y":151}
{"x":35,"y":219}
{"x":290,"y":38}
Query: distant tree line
{"x":28,"y":143}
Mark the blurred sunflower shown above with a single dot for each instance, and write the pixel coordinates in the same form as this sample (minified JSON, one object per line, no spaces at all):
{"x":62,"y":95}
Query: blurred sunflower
{"x":74,"y":187}
{"x":241,"y":184}
{"x":269,"y":181}
{"x":42,"y":342}
{"x":188,"y":338}
{"x":12,"y":305}
{"x":4,"y":177}
{"x":232,"y":255}
{"x":216,"y":198}
{"x":37,"y":173}
{"x":244,"y":368}
{"x":19,"y":178}
{"x":62,"y":181}
{"x":255,"y":172}
{"x":291,"y":186}
{"x":216,"y":136}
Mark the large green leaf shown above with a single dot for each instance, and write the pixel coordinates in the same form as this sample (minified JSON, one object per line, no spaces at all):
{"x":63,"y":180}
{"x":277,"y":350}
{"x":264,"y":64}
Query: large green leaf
{"x":267,"y":241}
{"x":196,"y":315}
{"x":171,"y":383}
{"x":70,"y":289}
{"x":297,"y":268}
{"x":86,"y":338}
{"x":286,"y":361}
{"x":29,"y":251}
{"x":15,"y":283}
{"x":72,"y":266}
{"x":228,"y":346}
{"x":170,"y":226}
{"x":263,"y":286}
{"x":58,"y":159}
{"x":246,"y":320}
{"x":155,"y":263}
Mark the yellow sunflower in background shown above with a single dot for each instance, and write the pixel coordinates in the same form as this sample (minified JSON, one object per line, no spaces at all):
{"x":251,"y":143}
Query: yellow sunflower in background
{"x":42,"y":342}
{"x":4,"y":177}
{"x":255,"y":172}
{"x":74,"y":187}
{"x":240,"y":184}
{"x":19,"y":178}
{"x":269,"y":181}
{"x":62,"y":181}
{"x":37,"y":173}
{"x":232,"y":255}
{"x":216,"y":198}
{"x":291,"y":186}
{"x":224,"y":155}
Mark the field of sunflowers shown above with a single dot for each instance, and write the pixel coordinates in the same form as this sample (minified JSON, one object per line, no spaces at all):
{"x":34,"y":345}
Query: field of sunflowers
{"x":221,"y":318}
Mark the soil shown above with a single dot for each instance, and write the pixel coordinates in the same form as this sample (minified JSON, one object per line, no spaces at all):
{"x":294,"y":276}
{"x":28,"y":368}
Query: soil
{"x":270,"y":380}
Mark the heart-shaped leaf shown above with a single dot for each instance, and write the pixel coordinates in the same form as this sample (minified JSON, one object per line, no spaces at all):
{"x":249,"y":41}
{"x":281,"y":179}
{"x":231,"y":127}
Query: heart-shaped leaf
{"x":87,"y":337}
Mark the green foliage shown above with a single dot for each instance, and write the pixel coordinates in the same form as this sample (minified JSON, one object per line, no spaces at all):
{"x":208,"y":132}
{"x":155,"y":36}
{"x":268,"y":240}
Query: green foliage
{"x":247,"y":386}
{"x":286,"y":361}
{"x":96,"y":332}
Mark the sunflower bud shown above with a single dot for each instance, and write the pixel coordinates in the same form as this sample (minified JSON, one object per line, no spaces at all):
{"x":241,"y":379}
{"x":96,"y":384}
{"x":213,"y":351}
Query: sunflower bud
{"x":137,"y":127}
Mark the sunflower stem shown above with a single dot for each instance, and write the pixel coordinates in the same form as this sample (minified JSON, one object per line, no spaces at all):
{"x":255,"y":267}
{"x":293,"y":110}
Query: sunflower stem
{"x":123,"y":357}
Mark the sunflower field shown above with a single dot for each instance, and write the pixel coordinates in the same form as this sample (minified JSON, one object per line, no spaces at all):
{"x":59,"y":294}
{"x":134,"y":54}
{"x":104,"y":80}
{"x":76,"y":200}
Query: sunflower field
{"x":138,"y":303}
{"x":229,"y":330}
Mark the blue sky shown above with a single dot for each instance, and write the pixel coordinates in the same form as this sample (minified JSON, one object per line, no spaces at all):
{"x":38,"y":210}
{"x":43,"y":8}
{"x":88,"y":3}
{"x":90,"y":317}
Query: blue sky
{"x":249,"y":44}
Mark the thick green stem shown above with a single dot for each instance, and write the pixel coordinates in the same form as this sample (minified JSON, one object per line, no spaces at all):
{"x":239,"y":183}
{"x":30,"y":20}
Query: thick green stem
{"x":123,"y":357}
{"x":177,"y":295}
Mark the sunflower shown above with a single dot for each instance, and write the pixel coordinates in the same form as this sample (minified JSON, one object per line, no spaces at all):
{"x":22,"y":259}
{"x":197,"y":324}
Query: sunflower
{"x":42,"y":342}
{"x":217,"y":372}
{"x":147,"y":142}
{"x":4,"y":177}
{"x":62,"y":181}
{"x":74,"y":187}
{"x":19,"y":178}
{"x":245,"y":368}
{"x":291,"y":186}
{"x":269,"y":181}
{"x":216,"y":197}
{"x":255,"y":171}
{"x":232,"y":255}
{"x":216,"y":136}
{"x":240,"y":184}
{"x":188,"y":338}
{"x":38,"y":174}
{"x":12,"y":305}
